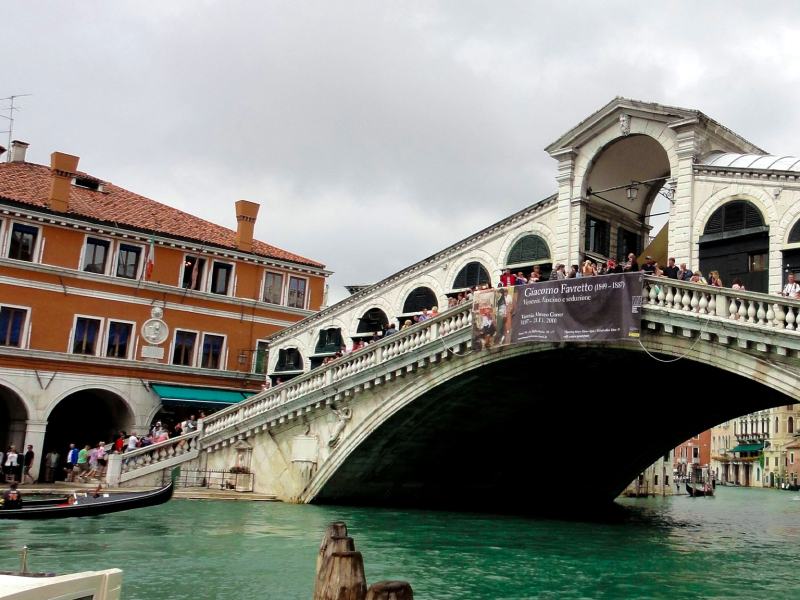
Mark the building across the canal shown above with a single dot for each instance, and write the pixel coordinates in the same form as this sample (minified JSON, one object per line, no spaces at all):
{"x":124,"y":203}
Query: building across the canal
{"x":114,"y":307}
{"x":693,"y":457}
{"x":755,"y":450}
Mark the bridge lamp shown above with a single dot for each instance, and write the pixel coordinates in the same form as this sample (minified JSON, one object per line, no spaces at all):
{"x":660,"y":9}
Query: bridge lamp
{"x":632,"y":191}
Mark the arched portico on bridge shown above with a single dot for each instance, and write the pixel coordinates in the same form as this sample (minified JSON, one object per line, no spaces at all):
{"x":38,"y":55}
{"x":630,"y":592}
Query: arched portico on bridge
{"x":502,"y":430}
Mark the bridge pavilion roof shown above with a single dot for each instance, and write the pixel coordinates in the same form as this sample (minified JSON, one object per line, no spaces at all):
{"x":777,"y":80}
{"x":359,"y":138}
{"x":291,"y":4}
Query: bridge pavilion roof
{"x":760,"y":162}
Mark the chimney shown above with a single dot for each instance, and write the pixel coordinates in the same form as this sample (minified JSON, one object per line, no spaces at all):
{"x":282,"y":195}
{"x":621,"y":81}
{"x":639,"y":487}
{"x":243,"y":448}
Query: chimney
{"x":246,"y":213}
{"x":62,"y":170}
{"x":18,"y":150}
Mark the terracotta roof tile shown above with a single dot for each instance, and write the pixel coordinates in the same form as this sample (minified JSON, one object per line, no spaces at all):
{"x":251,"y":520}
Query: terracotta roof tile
{"x":29,"y":183}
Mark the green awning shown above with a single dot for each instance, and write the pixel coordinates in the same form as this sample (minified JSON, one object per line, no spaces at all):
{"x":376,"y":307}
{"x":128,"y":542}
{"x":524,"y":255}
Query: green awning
{"x":748,"y":448}
{"x":175,"y":394}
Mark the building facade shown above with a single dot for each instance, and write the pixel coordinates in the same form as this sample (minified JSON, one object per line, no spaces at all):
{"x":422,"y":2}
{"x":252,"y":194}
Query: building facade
{"x":114,"y":307}
{"x":755,"y":449}
{"x":693,"y":458}
{"x":655,"y":480}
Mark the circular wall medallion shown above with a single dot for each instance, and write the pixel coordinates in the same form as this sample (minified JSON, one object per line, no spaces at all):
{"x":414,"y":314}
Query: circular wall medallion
{"x":155,"y":331}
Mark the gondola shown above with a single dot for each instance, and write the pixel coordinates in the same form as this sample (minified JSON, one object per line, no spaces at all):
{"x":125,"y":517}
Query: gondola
{"x":697,"y":492}
{"x":88,"y":505}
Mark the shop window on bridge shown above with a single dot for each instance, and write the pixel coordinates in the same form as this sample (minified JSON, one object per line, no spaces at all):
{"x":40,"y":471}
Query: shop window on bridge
{"x":12,"y":324}
{"x":473,"y":274}
{"x":627,"y":242}
{"x":329,"y":341}
{"x":373,"y":321}
{"x":421,"y":298}
{"x":528,"y":252}
{"x":597,"y":238}
{"x":734,"y":217}
{"x":289,"y":359}
{"x":529,"y":249}
{"x":735,"y":242}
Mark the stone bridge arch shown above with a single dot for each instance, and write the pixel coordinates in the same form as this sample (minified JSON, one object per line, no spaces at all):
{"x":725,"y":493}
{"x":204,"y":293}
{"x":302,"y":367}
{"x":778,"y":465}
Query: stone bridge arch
{"x":524,"y":408}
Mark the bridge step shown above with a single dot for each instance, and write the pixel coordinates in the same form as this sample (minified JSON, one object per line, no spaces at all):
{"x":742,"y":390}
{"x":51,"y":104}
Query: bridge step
{"x":207,"y":494}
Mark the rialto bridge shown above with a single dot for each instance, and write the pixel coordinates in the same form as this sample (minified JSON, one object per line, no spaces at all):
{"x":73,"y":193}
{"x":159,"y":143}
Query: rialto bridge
{"x":422,"y":417}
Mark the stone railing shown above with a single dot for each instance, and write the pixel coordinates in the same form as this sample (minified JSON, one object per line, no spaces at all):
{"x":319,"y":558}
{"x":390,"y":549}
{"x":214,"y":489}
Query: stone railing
{"x":738,"y":306}
{"x":405,"y":342}
{"x":139,"y":462}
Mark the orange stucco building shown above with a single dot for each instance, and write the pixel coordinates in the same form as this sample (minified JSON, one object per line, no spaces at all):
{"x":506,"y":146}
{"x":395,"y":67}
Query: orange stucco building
{"x":114,"y":307}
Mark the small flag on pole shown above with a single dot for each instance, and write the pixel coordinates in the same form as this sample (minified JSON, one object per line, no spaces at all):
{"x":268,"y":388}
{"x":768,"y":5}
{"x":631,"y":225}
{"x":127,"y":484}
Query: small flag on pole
{"x":151,"y":259}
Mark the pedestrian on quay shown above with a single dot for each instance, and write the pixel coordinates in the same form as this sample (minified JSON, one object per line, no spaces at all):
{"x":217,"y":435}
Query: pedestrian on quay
{"x":72,"y":462}
{"x":51,"y":460}
{"x":28,"y":465}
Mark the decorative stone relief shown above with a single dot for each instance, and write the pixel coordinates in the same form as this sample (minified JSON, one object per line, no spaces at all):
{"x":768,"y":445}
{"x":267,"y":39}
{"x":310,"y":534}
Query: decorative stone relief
{"x":342,"y":417}
{"x":625,"y":124}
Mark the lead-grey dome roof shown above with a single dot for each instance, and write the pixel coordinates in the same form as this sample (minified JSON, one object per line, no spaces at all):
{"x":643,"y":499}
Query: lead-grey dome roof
{"x":765,"y":162}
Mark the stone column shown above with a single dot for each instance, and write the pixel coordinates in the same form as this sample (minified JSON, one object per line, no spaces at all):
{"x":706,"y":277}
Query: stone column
{"x":565,"y":227}
{"x":34,"y":435}
{"x":681,"y":217}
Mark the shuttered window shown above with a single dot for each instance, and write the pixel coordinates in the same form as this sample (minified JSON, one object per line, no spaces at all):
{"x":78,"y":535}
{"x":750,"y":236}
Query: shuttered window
{"x":474,"y":274}
{"x":419,"y":299}
{"x":734,"y":216}
{"x":528,"y":250}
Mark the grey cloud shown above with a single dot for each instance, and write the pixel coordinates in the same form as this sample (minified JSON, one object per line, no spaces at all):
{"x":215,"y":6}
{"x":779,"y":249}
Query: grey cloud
{"x":375,"y":133}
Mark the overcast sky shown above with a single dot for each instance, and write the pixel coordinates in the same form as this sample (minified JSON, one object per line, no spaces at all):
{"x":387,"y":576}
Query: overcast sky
{"x":374,"y":133}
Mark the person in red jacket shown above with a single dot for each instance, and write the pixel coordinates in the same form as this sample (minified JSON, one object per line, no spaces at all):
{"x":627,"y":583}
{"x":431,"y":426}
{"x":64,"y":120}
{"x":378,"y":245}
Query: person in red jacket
{"x":507,"y":279}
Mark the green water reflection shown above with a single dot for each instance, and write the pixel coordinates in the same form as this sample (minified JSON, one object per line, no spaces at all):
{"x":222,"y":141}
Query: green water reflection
{"x":741,"y":544}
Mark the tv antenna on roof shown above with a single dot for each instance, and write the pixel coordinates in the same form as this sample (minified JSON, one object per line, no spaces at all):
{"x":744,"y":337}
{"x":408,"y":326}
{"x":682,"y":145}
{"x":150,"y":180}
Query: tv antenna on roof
{"x":10,"y":109}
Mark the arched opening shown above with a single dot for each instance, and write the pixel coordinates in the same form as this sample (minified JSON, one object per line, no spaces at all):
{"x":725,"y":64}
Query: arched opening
{"x":473,"y":274}
{"x":527,"y":253}
{"x":427,"y":452}
{"x":13,"y":417}
{"x":735,"y":242}
{"x":371,"y":324}
{"x":791,"y":258}
{"x":289,"y":365}
{"x":329,"y":342}
{"x":421,"y":298}
{"x":627,"y":202}
{"x":86,"y":417}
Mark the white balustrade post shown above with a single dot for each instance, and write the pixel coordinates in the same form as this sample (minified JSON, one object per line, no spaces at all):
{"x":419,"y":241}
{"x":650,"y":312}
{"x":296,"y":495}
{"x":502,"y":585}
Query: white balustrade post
{"x":114,"y":470}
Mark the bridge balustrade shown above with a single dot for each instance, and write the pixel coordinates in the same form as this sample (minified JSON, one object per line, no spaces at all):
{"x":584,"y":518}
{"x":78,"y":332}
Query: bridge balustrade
{"x":135,"y":463}
{"x":401,"y":343}
{"x":740,"y":306}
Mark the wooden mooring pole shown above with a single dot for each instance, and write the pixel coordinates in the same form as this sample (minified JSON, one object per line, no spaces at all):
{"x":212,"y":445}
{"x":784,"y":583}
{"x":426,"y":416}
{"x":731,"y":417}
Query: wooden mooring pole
{"x":340,"y":572}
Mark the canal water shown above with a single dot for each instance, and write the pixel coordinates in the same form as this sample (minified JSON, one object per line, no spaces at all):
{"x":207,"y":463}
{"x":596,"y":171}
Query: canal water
{"x":744,"y":543}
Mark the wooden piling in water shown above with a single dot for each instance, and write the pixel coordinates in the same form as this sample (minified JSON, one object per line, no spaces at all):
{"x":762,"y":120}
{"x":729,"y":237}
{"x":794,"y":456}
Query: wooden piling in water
{"x":390,"y":590}
{"x":342,"y":577}
{"x":340,"y":571}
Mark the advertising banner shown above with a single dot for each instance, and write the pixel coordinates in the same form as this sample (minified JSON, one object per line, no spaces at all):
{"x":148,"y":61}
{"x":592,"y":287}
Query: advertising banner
{"x":606,"y":307}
